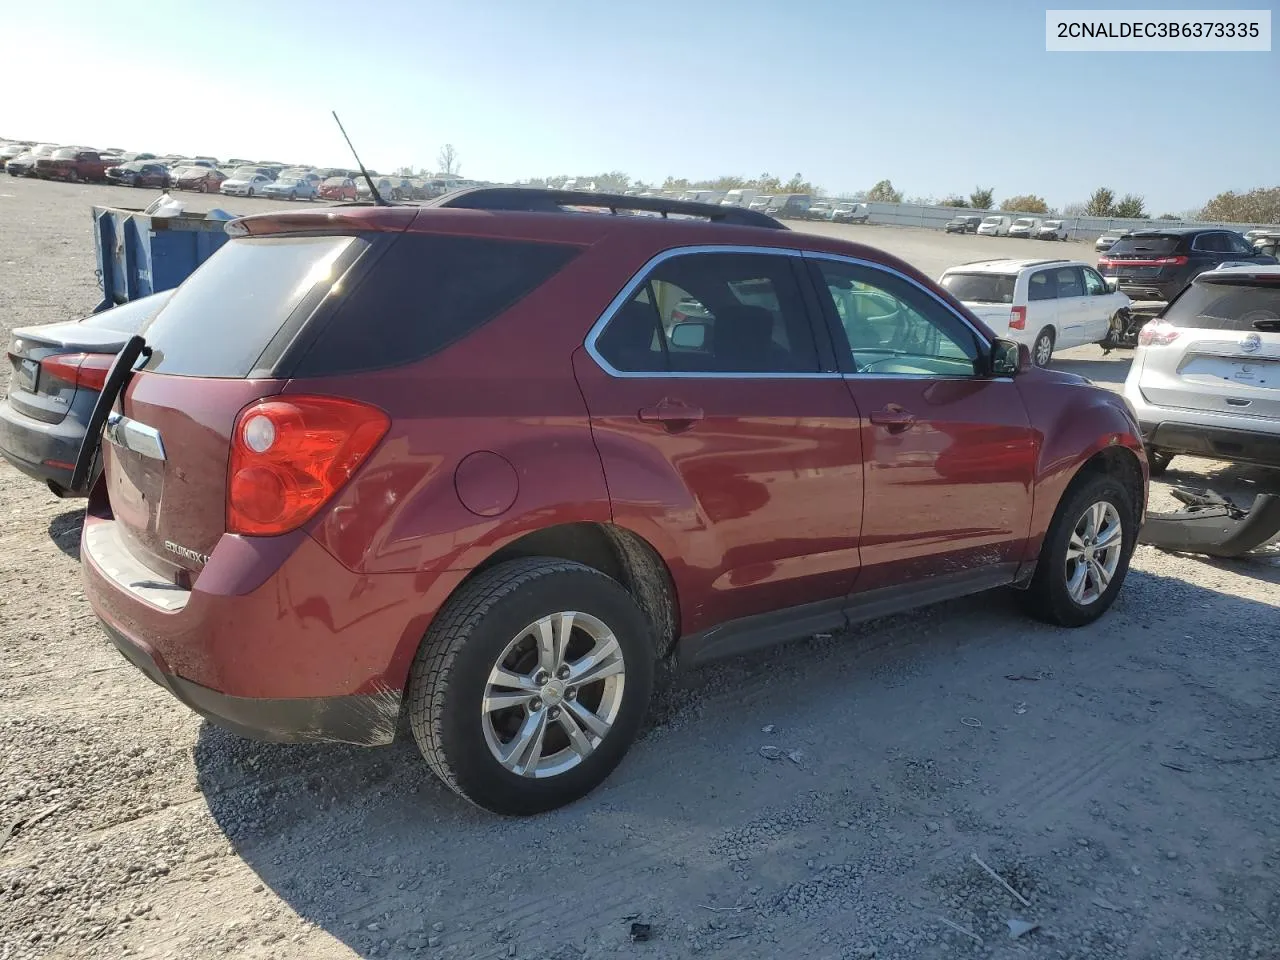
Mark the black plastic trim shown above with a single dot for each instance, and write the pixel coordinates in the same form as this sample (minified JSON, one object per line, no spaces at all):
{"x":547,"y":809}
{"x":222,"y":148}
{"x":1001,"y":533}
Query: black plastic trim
{"x":828,"y":616}
{"x":535,"y":200}
{"x":365,"y":720}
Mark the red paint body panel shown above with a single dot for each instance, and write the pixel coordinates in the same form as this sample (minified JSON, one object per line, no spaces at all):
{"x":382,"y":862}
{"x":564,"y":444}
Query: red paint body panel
{"x":951,"y":491}
{"x":759,"y":504}
{"x":277,"y":617}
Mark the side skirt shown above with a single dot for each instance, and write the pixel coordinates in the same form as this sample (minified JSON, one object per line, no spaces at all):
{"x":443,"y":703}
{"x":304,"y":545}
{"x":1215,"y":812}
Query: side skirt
{"x":830,"y":616}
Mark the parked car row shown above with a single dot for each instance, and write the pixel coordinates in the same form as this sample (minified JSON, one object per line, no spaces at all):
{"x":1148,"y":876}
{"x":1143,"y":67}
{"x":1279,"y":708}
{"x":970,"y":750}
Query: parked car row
{"x":206,"y":175}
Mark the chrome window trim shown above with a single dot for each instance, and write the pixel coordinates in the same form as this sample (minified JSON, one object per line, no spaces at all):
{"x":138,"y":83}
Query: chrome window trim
{"x":641,"y":276}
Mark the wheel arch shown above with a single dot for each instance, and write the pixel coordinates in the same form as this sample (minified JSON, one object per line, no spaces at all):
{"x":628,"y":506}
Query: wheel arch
{"x":616,"y":552}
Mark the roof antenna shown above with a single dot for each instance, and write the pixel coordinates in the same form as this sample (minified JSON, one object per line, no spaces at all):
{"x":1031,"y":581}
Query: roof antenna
{"x":373,"y":191}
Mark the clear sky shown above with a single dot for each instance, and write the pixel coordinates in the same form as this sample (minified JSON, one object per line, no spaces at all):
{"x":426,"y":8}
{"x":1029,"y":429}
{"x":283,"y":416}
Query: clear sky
{"x":937,"y":95}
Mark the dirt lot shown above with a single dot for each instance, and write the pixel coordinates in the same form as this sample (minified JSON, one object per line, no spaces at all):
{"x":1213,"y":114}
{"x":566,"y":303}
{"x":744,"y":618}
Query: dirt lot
{"x":1123,"y":777}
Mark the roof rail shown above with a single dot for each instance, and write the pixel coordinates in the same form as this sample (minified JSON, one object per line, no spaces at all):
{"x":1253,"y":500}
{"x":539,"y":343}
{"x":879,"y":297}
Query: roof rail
{"x":538,"y":200}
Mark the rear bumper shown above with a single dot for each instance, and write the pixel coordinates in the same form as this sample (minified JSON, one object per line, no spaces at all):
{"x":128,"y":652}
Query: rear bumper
{"x":27,"y":443}
{"x":1214,"y":442}
{"x":1217,"y":436}
{"x":276,"y":639}
{"x":368,"y":720}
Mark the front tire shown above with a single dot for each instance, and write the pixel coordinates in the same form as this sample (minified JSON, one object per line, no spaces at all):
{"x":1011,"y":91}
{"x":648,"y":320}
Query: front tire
{"x":531,"y":685}
{"x":1042,"y":349}
{"x":1085,"y":554}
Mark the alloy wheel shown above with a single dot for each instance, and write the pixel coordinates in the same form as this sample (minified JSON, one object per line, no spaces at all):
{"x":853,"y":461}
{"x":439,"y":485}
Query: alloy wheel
{"x":1044,"y":351}
{"x":1093,"y":552}
{"x":553,"y":694}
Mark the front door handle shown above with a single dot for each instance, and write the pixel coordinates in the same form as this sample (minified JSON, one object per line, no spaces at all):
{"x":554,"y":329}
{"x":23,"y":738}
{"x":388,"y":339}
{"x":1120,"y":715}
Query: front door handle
{"x":675,"y":416}
{"x":894,"y":418}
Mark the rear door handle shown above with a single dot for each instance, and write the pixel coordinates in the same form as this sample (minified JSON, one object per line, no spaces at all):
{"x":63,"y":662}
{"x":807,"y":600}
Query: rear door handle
{"x":894,"y":418}
{"x":674,"y":415}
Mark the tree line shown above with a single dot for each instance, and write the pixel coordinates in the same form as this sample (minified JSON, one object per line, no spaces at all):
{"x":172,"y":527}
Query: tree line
{"x":1261,"y":205}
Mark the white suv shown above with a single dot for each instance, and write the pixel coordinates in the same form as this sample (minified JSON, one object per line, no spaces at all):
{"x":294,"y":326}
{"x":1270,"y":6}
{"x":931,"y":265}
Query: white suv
{"x":1205,"y":378}
{"x":1046,"y":304}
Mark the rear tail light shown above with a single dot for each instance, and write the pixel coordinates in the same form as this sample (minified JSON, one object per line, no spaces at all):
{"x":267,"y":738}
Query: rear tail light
{"x":1018,"y":318}
{"x":289,"y":456}
{"x":87,"y":370}
{"x":1104,"y":261}
{"x":1157,"y":333}
{"x":1169,"y":262}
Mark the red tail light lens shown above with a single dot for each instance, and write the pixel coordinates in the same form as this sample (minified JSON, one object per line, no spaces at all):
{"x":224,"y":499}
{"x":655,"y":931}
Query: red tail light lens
{"x":1104,"y":261}
{"x":289,"y":456}
{"x":1018,"y":318}
{"x":1157,"y":333}
{"x":87,"y":370}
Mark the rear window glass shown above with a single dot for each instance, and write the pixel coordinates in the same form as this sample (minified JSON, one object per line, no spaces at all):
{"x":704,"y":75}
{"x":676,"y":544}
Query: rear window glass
{"x":1145,"y":246}
{"x":223,"y":316}
{"x":980,"y":287}
{"x":1224,"y":306}
{"x":426,"y":292}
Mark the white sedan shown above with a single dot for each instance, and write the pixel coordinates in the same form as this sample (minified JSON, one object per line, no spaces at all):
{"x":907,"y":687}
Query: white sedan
{"x":245,"y":186}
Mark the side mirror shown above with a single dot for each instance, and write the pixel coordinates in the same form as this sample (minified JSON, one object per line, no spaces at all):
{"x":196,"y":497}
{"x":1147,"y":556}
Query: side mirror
{"x":1113,"y":285}
{"x":689,"y":336}
{"x":1007,"y":358}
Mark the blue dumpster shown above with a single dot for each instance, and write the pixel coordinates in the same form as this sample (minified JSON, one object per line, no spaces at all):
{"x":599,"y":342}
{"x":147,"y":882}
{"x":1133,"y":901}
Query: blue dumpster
{"x":139,"y":254}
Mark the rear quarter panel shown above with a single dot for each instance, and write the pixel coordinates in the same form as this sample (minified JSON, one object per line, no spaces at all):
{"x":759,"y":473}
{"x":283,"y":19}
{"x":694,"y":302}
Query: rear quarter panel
{"x":1075,"y":421}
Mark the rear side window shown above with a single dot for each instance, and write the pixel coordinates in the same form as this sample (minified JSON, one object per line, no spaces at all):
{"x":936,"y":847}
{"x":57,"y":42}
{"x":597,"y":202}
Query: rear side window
{"x":714,"y":313}
{"x":1159,"y":246}
{"x":1224,"y":306}
{"x":1069,"y":282}
{"x":980,"y":287}
{"x":426,"y":292}
{"x":221,"y":319}
{"x":1040,"y":286}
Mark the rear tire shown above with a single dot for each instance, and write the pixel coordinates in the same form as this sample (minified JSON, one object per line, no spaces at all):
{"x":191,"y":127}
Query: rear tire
{"x":1042,"y":350}
{"x":492,"y":624}
{"x":1051,"y":597}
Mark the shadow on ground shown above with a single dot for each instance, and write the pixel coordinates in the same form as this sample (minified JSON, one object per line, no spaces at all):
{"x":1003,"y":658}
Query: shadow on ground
{"x":64,"y":531}
{"x":367,"y":845}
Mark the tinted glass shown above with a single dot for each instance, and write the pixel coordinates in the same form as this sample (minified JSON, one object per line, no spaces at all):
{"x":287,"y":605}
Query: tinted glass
{"x":425,"y":293}
{"x":224,"y":315}
{"x":891,"y":326}
{"x":1238,"y":244}
{"x":1224,"y":306}
{"x":1069,"y":282}
{"x":1211,"y":243}
{"x":981,"y":287}
{"x":718,"y":313}
{"x":1040,"y":286}
{"x":1145,"y":246}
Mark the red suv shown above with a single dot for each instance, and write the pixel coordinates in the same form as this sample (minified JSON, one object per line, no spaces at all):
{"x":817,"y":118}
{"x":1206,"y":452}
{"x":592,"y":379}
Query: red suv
{"x":485,"y":461}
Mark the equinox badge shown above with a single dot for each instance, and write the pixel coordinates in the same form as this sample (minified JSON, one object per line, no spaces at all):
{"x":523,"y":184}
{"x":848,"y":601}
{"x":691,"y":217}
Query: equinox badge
{"x":186,"y":553}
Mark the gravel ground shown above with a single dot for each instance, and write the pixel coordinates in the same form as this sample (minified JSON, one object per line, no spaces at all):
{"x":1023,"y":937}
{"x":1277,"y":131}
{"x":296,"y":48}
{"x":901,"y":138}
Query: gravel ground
{"x":825,"y":799}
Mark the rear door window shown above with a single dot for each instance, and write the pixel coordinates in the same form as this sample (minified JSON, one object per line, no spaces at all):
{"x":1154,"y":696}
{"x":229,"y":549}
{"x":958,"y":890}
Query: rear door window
{"x":1069,"y":282}
{"x":1211,"y":243}
{"x":1230,"y":307}
{"x":714,"y":313}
